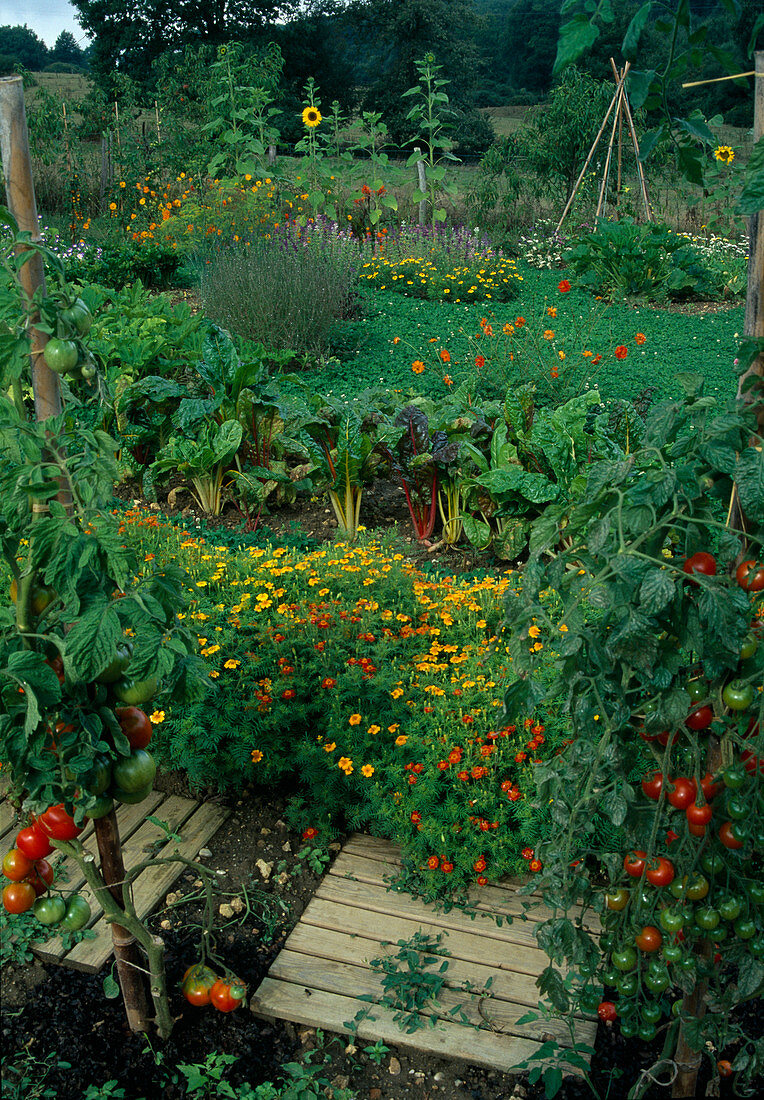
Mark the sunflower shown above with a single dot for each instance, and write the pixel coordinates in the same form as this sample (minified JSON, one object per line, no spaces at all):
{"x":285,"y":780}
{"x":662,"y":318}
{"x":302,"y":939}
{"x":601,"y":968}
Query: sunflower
{"x":725,"y":154}
{"x":311,"y":117}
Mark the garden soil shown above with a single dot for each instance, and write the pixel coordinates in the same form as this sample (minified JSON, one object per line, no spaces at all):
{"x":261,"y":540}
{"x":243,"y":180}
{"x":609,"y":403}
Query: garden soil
{"x":51,"y":1010}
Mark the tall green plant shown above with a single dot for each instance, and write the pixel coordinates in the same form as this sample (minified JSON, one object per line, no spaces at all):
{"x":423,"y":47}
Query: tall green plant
{"x":429,"y":114}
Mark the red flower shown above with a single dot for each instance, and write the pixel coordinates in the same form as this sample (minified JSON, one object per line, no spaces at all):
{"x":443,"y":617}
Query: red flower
{"x":640,"y":338}
{"x":479,"y":864}
{"x":467,"y":719}
{"x":328,"y":682}
{"x":442,"y":765}
{"x":433,"y":863}
{"x":446,"y":867}
{"x":479,"y":361}
{"x":310,"y":833}
{"x":288,"y":694}
{"x":445,"y":355}
{"x":416,"y":817}
{"x":535,"y":866}
{"x":527,"y":853}
{"x":412,"y":780}
{"x":455,"y":755}
{"x":564,"y":286}
{"x":464,"y":776}
{"x":621,"y":351}
{"x":514,"y":794}
{"x":520,"y":756}
{"x":507,"y":785}
{"x":671,"y":836}
{"x":478,"y":772}
{"x":482,"y":880}
{"x":597,"y":359}
{"x":484,"y":825}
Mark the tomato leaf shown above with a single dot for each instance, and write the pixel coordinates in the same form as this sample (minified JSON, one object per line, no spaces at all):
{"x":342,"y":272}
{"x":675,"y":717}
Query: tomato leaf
{"x":656,"y":591}
{"x":752,"y":196}
{"x":749,"y":479}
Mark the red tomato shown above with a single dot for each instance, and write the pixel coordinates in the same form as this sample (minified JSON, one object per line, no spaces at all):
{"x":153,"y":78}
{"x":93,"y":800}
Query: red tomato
{"x":649,"y":939}
{"x":16,"y":865}
{"x":136,"y":726}
{"x":652,"y":785}
{"x":699,"y":815}
{"x":750,"y":576}
{"x":660,"y":872}
{"x":41,"y":876}
{"x":696,"y":830}
{"x":683,"y":793}
{"x":709,"y":787}
{"x":57,"y":823}
{"x":18,"y":897}
{"x":33,"y":843}
{"x":728,"y":837}
{"x":197,"y":983}
{"x":752,"y":762}
{"x":607,"y":1012}
{"x":634,"y":863}
{"x":700,"y":563}
{"x":699,"y":719}
{"x":226,"y":996}
{"x":725,"y":1067}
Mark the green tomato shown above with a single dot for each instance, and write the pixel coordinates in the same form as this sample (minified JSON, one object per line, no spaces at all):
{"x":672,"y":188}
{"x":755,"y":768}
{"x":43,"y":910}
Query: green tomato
{"x":134,"y":772}
{"x":131,"y":798}
{"x":629,"y":1028}
{"x":651,"y":1012}
{"x":78,"y":317}
{"x":737,"y":695}
{"x":98,"y":778}
{"x":116,"y":667}
{"x":730,"y":908}
{"x":77,"y":914}
{"x":734,"y":777}
{"x":671,"y":920}
{"x":625,"y":959}
{"x":672,"y":953}
{"x":135,"y":692}
{"x":50,"y":910}
{"x":697,"y":690}
{"x":707,"y":918}
{"x":756,"y":947}
{"x":712,"y":863}
{"x":756,"y":892}
{"x":590,"y":1000}
{"x":657,"y":980}
{"x":745,"y":928}
{"x":647,"y":1032}
{"x":749,"y":647}
{"x":627,"y":984}
{"x":103,"y":805}
{"x":61,"y":355}
{"x":737,"y":807}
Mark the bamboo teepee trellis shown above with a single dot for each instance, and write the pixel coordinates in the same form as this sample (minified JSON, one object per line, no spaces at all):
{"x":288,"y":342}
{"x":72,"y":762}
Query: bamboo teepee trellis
{"x":619,"y":108}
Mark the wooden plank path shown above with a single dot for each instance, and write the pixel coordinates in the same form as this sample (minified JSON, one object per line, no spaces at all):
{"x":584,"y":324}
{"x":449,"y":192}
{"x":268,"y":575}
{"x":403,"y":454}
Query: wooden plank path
{"x":195,"y":822}
{"x":324,"y":967}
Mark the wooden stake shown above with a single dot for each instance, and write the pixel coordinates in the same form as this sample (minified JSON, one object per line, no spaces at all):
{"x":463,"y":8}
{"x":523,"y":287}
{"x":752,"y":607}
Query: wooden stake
{"x":753,"y":326}
{"x":19,"y":189}
{"x":718,"y":79}
{"x":422,"y":177}
{"x":156,"y":112}
{"x":635,"y":142}
{"x":595,"y":143}
{"x":620,"y":149}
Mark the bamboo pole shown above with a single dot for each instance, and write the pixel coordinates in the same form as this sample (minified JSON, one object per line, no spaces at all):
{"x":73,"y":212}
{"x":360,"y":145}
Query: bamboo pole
{"x":609,"y":157}
{"x":595,"y":143}
{"x":620,"y":148}
{"x":635,"y":142}
{"x":156,"y":112}
{"x":19,"y":189}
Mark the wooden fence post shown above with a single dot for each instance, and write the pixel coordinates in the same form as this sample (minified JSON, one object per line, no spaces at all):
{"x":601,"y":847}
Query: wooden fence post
{"x":754,"y":302}
{"x":422,"y":175}
{"x":17,"y":169}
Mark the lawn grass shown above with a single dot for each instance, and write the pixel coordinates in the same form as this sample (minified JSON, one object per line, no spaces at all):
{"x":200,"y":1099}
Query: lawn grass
{"x":365,"y":354}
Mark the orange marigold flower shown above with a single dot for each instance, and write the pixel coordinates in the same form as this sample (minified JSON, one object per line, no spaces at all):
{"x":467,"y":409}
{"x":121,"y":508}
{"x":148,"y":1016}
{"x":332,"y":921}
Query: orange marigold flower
{"x":401,"y":739}
{"x":535,"y":866}
{"x":564,"y":286}
{"x":551,"y":311}
{"x":519,"y":322}
{"x":433,"y":863}
{"x":328,"y":682}
{"x":396,"y":339}
{"x":256,"y":756}
{"x":417,"y":366}
{"x":482,"y":880}
{"x":310,"y":833}
{"x":548,"y":334}
{"x":479,"y":361}
{"x":445,"y":355}
{"x":640,"y":338}
{"x":416,"y":817}
{"x":354,"y":719}
{"x":597,"y":358}
{"x":448,"y":379}
{"x":621,"y":351}
{"x":446,"y":867}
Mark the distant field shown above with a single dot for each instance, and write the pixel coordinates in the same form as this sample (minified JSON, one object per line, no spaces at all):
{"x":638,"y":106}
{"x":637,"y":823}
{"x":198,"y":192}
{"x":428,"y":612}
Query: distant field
{"x":63,"y":85}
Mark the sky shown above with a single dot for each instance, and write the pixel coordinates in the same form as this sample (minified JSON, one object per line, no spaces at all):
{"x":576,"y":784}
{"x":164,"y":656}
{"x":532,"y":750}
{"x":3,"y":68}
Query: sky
{"x":47,"y":18}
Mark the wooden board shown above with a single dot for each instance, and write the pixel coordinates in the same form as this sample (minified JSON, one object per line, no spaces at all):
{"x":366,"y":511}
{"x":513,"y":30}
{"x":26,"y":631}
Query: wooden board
{"x":196,"y":823}
{"x":324,"y":968}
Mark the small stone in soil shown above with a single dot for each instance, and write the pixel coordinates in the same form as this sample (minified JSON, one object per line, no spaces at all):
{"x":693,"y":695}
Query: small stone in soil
{"x":205,"y":853}
{"x":394,"y":1068}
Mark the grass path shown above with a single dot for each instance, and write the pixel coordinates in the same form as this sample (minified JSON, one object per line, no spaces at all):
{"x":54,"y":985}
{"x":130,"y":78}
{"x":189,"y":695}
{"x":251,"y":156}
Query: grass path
{"x":702,"y":342}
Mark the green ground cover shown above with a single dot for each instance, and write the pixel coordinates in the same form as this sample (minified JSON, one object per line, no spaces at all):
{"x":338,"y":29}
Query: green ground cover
{"x":365,"y":355}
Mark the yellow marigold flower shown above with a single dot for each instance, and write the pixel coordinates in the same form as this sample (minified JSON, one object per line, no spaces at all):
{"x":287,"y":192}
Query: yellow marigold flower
{"x":354,"y":719}
{"x":373,"y":730}
{"x":367,"y":770}
{"x":548,"y":334}
{"x":231,"y":663}
{"x":417,"y":366}
{"x":256,"y":756}
{"x":346,"y":764}
{"x":401,"y":739}
{"x":534,"y":631}
{"x":481,"y":624}
{"x":214,"y":674}
{"x":563,"y":628}
{"x":330,"y":746}
{"x":157,"y":717}
{"x":311,"y":117}
{"x":552,"y":311}
{"x":396,"y":693}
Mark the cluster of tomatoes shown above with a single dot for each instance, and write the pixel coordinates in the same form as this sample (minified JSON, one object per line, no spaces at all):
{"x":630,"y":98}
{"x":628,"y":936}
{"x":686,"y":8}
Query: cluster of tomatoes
{"x":65,"y":352}
{"x":662,"y":927}
{"x":201,"y":986}
{"x":30,"y":874}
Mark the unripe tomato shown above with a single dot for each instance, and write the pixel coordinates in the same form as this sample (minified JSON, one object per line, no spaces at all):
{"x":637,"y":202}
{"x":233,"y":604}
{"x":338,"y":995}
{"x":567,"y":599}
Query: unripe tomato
{"x":77,"y":914}
{"x":103,"y":805}
{"x":78,"y":317}
{"x":61,"y":355}
{"x":226,"y":996}
{"x":671,"y":920}
{"x":135,"y":693}
{"x":50,"y":910}
{"x":33,"y":843}
{"x":16,"y":865}
{"x":115,"y":669}
{"x":18,"y":897}
{"x":734,"y":777}
{"x":749,"y":647}
{"x":134,"y":772}
{"x":616,"y":900}
{"x":737,"y":695}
